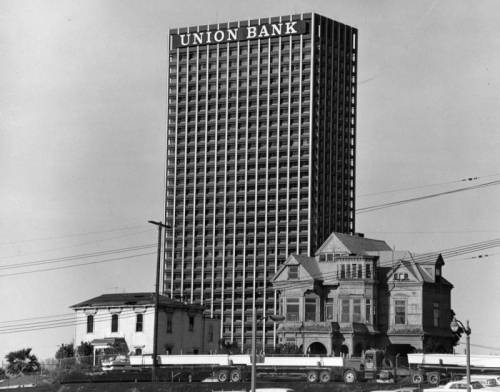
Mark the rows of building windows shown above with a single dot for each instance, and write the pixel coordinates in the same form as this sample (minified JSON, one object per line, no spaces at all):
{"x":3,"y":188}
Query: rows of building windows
{"x":349,"y":309}
{"x":139,"y":323}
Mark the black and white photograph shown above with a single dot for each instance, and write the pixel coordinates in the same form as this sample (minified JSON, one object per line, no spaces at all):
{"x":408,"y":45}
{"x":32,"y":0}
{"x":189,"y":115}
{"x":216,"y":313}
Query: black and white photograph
{"x":270,"y":196}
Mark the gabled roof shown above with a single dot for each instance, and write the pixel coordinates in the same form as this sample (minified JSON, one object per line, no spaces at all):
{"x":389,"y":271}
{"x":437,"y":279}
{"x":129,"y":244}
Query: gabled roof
{"x":308,"y":263}
{"x":409,"y":266}
{"x":351,"y":244}
{"x":133,"y":300}
{"x":415,"y":266}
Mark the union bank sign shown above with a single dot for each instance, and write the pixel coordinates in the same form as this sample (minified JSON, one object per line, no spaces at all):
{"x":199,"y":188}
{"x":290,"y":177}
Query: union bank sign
{"x":267,"y":30}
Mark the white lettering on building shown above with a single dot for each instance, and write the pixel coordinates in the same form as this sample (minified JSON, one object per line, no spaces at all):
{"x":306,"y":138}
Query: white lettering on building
{"x":233,"y":34}
{"x":252,"y":32}
{"x":290,"y":29}
{"x":198,"y":38}
{"x":276,"y":28}
{"x":219,"y":36}
{"x":263,"y":32}
{"x":185,"y":41}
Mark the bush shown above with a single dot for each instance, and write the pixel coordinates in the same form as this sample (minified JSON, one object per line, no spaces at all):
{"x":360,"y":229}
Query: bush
{"x":65,"y":351}
{"x":22,"y":361}
{"x":84,"y":354}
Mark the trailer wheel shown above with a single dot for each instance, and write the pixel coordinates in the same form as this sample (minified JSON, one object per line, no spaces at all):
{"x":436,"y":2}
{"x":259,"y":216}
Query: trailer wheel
{"x":433,"y":378}
{"x":235,"y":375}
{"x":223,"y":376}
{"x":350,"y":376}
{"x":312,"y":376}
{"x":325,"y":376}
{"x":417,"y":379}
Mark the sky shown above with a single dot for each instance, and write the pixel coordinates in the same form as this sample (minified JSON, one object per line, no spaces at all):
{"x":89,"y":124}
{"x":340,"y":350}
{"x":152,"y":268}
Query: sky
{"x":83,"y":87}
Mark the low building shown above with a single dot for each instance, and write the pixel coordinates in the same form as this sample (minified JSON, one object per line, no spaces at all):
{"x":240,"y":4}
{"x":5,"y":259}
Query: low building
{"x":357,"y":293}
{"x":124,"y":323}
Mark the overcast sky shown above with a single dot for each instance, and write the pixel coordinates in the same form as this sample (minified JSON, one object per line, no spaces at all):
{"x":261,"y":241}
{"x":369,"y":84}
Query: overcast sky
{"x":82,"y":135}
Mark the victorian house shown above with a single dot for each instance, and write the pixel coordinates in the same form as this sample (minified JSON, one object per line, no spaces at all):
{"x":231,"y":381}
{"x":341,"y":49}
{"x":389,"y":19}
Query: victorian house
{"x":357,"y":293}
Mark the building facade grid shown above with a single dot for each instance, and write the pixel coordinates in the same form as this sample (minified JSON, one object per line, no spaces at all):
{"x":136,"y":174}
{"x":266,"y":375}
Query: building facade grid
{"x":260,"y":162}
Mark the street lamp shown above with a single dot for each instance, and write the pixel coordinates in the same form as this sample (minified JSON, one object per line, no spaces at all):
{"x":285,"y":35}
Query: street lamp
{"x":457,"y":326}
{"x":157,"y":300}
{"x":273,"y":317}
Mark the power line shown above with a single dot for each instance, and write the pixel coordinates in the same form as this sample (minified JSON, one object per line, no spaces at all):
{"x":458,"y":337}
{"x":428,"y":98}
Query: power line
{"x":467,"y":179}
{"x":433,"y":232}
{"x":76,"y":265}
{"x":75,"y":257}
{"x":57,"y":323}
{"x":71,"y":235}
{"x":481,"y":346}
{"x":420,"y":198}
{"x":35,"y":318}
{"x":133,"y":233}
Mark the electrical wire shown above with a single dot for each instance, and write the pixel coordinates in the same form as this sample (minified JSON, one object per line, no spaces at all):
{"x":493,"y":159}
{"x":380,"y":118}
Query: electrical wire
{"x":38,"y":251}
{"x":75,"y":257}
{"x":377,"y":207}
{"x":76,"y":265}
{"x":72,"y":235}
{"x":61,"y":323}
{"x":481,"y":346}
{"x":467,"y":179}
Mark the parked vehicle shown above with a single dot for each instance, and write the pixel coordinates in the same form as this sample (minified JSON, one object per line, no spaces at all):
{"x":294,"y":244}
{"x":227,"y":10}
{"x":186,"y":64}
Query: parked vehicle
{"x":458,"y":386}
{"x":405,"y":389}
{"x":486,"y":380}
{"x":235,"y":368}
{"x":374,"y":365}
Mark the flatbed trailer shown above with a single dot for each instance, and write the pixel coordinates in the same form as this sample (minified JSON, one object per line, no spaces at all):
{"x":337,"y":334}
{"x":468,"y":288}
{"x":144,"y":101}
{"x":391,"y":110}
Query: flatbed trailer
{"x":237,"y":368}
{"x":437,"y":367}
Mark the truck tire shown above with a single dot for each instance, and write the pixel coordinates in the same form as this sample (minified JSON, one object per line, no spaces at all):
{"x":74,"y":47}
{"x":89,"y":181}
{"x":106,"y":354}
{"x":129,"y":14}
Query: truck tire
{"x":325,"y":376}
{"x":235,"y":375}
{"x":223,"y":376}
{"x":312,"y":376}
{"x":350,"y":376}
{"x":417,"y":379}
{"x":433,"y":378}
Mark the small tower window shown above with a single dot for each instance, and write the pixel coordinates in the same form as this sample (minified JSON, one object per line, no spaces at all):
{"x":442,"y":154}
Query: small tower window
{"x":293,"y":272}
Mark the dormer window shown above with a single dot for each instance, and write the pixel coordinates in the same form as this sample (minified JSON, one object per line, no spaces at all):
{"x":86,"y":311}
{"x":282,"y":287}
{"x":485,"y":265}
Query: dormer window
{"x":293,"y":272}
{"x":401,"y":276}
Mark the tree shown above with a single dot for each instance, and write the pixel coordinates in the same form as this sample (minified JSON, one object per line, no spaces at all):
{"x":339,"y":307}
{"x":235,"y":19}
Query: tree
{"x":22,"y":361}
{"x":84,"y":353}
{"x":65,"y":354}
{"x":65,"y":351}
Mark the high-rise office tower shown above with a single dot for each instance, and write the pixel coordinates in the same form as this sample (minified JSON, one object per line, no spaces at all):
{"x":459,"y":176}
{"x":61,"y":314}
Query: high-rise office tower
{"x":260,"y":157}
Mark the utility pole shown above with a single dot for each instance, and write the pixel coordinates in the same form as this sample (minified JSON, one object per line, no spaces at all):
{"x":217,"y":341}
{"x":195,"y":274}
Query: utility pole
{"x":157,"y":302}
{"x":275,"y":318}
{"x":458,"y":326}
